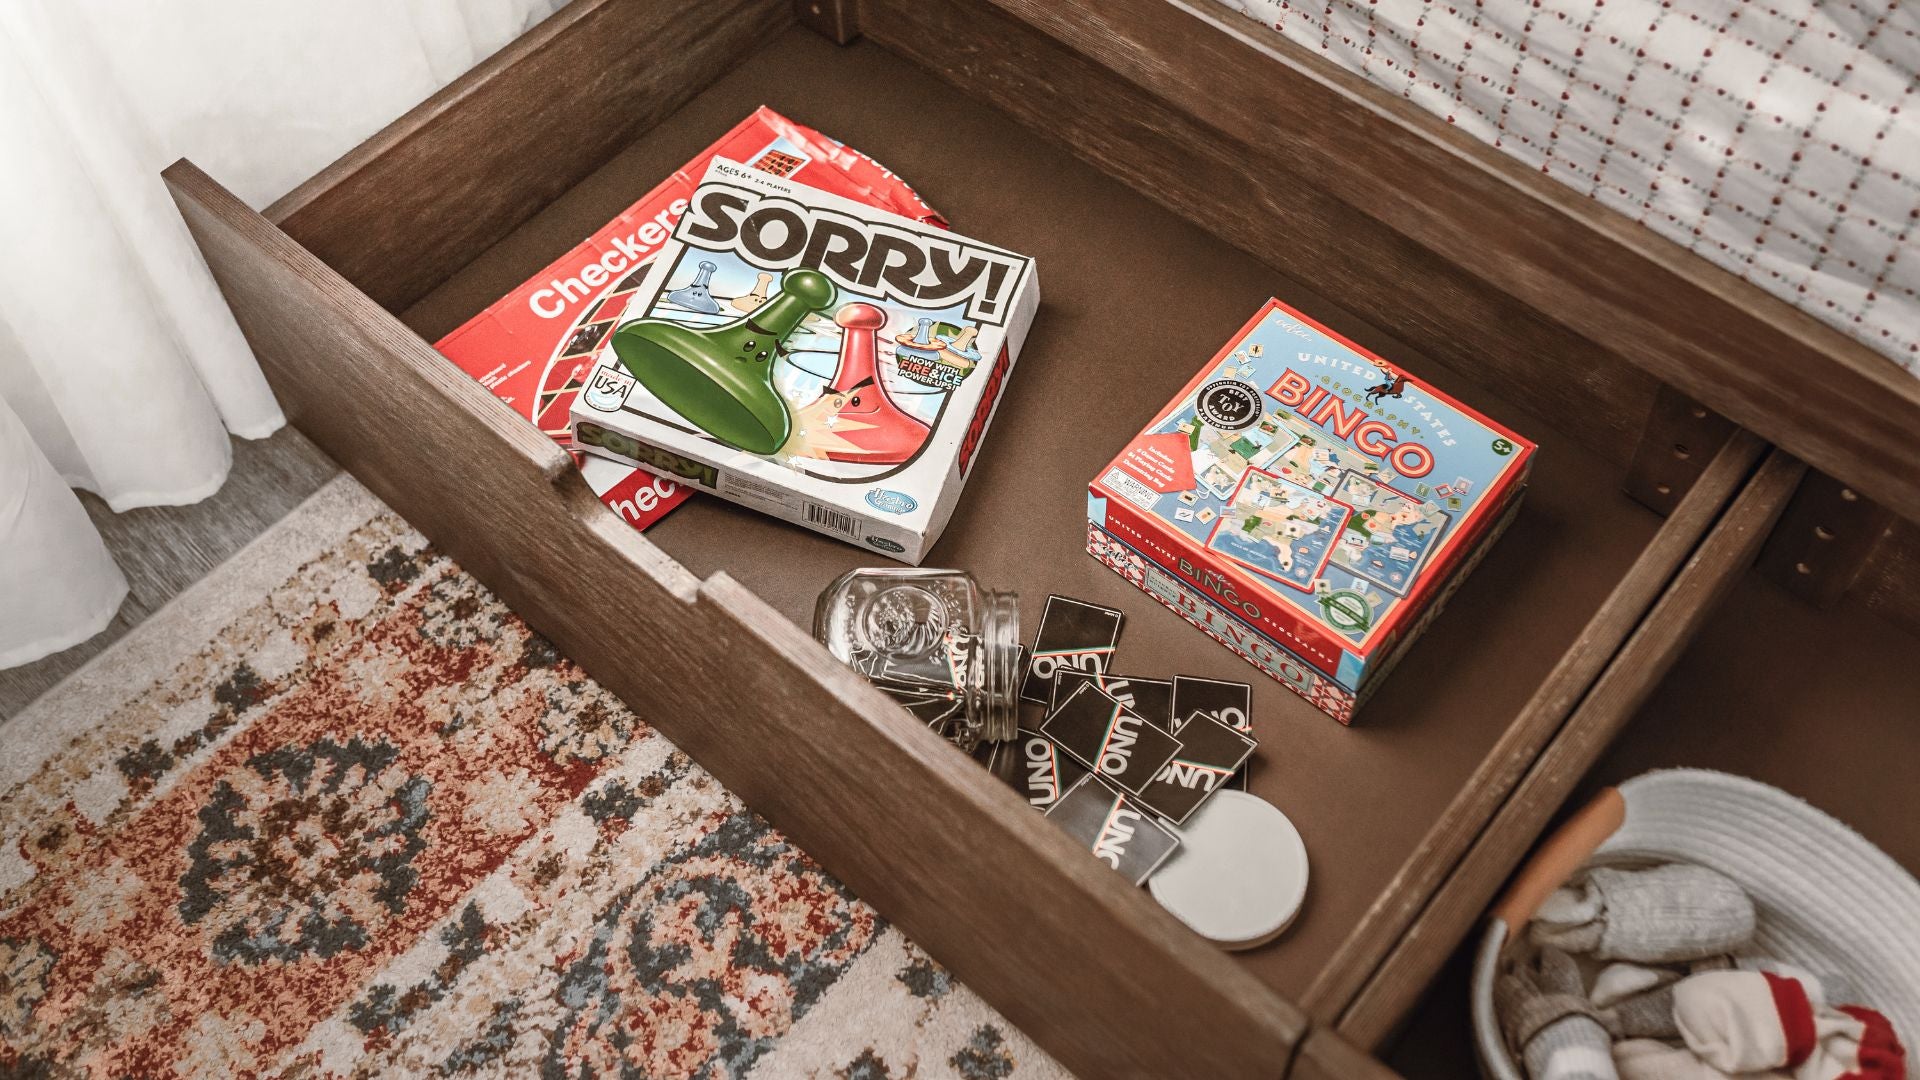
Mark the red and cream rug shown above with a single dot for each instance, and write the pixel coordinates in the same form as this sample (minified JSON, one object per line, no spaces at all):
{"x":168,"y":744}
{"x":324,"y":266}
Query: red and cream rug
{"x":337,"y":812}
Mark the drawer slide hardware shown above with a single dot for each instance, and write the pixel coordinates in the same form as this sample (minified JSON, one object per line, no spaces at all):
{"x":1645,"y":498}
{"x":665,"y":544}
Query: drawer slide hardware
{"x":1680,"y":438}
{"x":1824,"y":540}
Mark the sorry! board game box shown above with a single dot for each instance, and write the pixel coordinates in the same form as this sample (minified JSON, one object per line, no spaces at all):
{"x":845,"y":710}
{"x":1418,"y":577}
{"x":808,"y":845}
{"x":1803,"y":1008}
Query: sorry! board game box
{"x":1307,"y":504}
{"x":850,"y":395}
{"x":533,"y":347}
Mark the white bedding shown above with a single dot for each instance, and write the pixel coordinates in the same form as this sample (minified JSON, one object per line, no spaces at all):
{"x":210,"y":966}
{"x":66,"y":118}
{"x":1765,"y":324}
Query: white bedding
{"x":1780,"y":140}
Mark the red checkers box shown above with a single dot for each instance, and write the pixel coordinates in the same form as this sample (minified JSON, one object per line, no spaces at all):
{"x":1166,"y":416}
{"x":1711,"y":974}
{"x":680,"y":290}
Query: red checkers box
{"x":1307,"y":505}
{"x":534,"y":346}
{"x":811,"y":357}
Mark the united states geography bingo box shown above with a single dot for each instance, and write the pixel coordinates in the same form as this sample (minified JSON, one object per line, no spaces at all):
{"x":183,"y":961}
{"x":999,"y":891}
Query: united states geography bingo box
{"x":1307,"y":504}
{"x":534,"y":346}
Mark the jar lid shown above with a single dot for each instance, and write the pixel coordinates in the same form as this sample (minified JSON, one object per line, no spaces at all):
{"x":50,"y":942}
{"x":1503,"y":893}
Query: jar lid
{"x":1240,"y":874}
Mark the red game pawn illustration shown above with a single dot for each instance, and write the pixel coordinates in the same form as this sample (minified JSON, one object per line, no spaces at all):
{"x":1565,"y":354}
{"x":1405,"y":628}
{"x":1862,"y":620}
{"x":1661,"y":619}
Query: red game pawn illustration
{"x":855,"y":419}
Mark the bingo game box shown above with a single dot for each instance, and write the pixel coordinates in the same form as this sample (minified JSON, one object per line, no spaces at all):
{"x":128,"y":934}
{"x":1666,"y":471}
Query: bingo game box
{"x":533,"y":347}
{"x":849,"y":386}
{"x":1307,"y":504}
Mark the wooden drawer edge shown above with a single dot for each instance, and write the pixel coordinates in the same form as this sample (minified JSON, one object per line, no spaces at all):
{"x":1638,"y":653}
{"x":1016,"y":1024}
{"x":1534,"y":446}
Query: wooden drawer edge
{"x":507,"y":137}
{"x":1623,"y":289}
{"x":1655,"y":645}
{"x":1324,"y":1055}
{"x":1062,"y":946}
{"x":1343,"y":977}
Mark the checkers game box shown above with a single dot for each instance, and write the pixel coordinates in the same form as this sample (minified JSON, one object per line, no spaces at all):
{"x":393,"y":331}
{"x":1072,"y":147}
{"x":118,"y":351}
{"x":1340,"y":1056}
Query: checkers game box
{"x":1307,"y":504}
{"x":534,"y":346}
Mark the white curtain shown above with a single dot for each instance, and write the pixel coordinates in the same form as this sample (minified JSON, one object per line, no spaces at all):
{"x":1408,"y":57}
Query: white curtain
{"x":122,"y":368}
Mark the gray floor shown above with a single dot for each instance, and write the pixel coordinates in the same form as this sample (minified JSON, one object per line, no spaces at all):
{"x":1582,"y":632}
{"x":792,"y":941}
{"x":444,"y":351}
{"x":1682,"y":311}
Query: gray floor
{"x":164,"y":549}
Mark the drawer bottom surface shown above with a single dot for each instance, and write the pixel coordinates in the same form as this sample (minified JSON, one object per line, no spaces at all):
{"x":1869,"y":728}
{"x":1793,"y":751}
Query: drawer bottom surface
{"x":1134,"y":300}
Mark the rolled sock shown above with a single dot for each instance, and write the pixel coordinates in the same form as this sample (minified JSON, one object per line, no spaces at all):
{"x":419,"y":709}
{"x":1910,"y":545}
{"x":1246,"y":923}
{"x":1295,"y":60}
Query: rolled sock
{"x":1660,"y":915}
{"x":1649,"y":1059}
{"x":1831,"y":987}
{"x":1746,"y":1021}
{"x":1550,"y":1022}
{"x":1634,"y":1001}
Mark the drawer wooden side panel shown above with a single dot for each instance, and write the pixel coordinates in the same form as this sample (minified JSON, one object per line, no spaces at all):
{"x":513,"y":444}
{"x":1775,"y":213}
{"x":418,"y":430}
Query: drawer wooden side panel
{"x":1061,"y":945}
{"x":1380,"y":929}
{"x":418,"y":200}
{"x":1649,"y":653}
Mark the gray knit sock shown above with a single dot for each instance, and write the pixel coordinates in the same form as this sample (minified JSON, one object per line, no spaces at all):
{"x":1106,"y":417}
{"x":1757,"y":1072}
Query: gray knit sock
{"x":1550,"y":1022}
{"x":1660,"y":915}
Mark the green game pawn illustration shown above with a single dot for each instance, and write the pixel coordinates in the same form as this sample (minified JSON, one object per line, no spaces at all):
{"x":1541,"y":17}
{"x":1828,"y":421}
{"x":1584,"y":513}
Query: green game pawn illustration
{"x":721,"y":378}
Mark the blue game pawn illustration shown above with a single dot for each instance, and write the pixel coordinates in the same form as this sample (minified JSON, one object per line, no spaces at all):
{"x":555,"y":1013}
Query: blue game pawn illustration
{"x":697,"y":297}
{"x":921,"y":339}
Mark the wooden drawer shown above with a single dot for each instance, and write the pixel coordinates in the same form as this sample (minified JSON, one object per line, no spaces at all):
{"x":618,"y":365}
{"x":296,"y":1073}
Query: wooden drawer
{"x":699,"y":623}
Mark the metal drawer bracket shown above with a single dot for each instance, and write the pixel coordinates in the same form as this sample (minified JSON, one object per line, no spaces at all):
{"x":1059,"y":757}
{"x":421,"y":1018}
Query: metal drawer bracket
{"x":1824,"y":540}
{"x":1680,"y":439}
{"x":836,"y":20}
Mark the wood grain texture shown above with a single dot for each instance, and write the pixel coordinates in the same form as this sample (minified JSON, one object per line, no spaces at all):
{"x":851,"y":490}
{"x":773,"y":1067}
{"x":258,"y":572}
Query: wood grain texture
{"x":1824,"y":541}
{"x":164,"y":549}
{"x":1713,"y":568}
{"x":1298,"y":134}
{"x":1326,"y":1056}
{"x":1680,"y":439}
{"x":1247,"y":186}
{"x":433,"y":189}
{"x":1018,"y":911}
{"x":1889,"y":586}
{"x":1378,"y":931}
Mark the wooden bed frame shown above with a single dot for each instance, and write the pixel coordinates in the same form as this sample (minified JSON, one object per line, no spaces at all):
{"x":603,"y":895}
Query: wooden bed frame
{"x":1510,"y":281}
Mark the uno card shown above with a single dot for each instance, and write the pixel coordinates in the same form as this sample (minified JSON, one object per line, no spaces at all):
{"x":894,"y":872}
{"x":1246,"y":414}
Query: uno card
{"x":1231,"y":703}
{"x":1151,"y":698}
{"x":1103,"y":735}
{"x":1045,"y":774}
{"x":1074,"y":636}
{"x":1210,"y":753}
{"x":1116,"y":829}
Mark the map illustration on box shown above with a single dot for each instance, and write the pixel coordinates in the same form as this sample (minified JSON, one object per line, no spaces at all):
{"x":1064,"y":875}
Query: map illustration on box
{"x":1315,"y":497}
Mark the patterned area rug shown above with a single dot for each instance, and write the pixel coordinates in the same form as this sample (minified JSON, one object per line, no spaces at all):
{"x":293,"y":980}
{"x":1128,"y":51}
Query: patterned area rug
{"x":337,"y":812}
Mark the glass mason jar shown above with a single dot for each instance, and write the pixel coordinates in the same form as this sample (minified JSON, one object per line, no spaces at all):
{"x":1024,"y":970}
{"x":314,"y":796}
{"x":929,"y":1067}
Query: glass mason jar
{"x":933,"y":639}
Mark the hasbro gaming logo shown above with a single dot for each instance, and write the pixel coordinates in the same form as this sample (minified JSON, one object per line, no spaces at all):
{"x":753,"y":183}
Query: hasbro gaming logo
{"x":885,"y":544}
{"x":891,"y":502}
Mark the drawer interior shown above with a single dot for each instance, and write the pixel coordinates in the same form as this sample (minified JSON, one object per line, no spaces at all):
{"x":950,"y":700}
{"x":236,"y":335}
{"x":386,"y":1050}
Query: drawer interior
{"x":1822,"y":704}
{"x":1134,"y":300}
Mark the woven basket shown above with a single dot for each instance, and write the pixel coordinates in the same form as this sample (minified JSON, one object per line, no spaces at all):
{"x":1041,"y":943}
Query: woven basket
{"x":1827,"y":900}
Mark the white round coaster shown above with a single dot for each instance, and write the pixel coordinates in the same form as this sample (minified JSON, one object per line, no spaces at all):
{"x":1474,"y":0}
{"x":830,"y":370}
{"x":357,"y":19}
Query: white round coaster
{"x":1240,"y":874}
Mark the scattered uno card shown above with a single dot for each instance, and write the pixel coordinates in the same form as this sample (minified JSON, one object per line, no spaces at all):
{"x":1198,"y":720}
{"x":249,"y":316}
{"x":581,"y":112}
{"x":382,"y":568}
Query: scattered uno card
{"x":1102,"y":735}
{"x":1210,"y":752}
{"x":1231,"y":703}
{"x":1045,"y":773}
{"x":1074,"y":635}
{"x":1151,"y":698}
{"x":1116,"y":829}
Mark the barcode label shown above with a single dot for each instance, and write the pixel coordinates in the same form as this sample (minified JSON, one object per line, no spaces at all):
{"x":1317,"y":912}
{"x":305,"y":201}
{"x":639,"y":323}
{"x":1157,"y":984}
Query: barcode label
{"x":827,"y":517}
